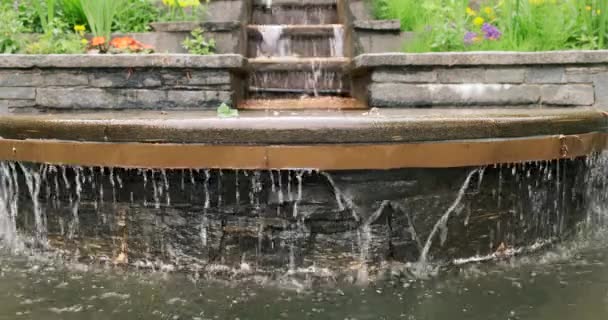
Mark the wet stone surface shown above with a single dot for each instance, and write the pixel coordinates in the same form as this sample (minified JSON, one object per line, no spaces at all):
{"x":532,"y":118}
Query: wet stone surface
{"x":337,"y":225}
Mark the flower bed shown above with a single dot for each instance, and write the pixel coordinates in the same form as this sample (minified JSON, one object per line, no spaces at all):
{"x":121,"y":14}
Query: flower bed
{"x":514,"y":25}
{"x":64,"y":26}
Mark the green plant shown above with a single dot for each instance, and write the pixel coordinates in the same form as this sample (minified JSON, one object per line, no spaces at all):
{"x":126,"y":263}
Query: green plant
{"x":136,"y":16}
{"x":46,"y":12}
{"x":72,"y":13}
{"x":10,"y":27}
{"x":100,"y":15}
{"x":224,"y":111}
{"x":522,"y":25}
{"x":57,"y":41}
{"x":197,"y":44}
{"x":411,"y":13}
{"x":182,"y":10}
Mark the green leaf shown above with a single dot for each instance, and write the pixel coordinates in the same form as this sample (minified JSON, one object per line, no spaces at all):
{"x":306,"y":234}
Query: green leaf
{"x":224,"y":111}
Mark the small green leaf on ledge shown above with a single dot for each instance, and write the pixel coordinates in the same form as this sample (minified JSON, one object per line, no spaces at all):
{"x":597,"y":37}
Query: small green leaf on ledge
{"x":224,"y":111}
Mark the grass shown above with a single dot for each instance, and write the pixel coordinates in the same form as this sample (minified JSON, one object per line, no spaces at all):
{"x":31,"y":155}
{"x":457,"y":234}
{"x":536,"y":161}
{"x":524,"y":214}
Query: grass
{"x":524,"y":25}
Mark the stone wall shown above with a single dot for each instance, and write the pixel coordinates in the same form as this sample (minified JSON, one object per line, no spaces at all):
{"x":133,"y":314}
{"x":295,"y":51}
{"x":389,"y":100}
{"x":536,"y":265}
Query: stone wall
{"x":115,"y":82}
{"x":548,"y":79}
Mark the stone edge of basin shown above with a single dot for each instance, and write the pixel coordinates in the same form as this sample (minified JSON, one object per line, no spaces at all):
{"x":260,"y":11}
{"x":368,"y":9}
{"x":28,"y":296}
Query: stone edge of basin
{"x":396,"y":59}
{"x":340,"y":129}
{"x":217,"y":61}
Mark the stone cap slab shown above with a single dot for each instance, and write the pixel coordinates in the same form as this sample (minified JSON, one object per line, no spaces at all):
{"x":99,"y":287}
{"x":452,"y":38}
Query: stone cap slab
{"x":378,"y":25}
{"x":480,"y":58}
{"x":187,"y":26}
{"x":304,"y":127}
{"x":295,"y":2}
{"x":218,"y":61}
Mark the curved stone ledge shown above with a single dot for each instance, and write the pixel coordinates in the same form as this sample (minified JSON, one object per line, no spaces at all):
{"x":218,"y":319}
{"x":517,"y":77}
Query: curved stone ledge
{"x":75,"y":61}
{"x":480,"y":58}
{"x":348,"y":127}
{"x":446,"y":154}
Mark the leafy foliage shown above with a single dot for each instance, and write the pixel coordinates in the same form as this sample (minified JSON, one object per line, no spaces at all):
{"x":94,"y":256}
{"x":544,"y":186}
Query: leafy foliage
{"x":72,"y":13}
{"x":10,"y":27}
{"x":198,"y":44}
{"x":56,"y":41}
{"x":100,"y":16}
{"x":182,"y":10}
{"x":136,"y":16}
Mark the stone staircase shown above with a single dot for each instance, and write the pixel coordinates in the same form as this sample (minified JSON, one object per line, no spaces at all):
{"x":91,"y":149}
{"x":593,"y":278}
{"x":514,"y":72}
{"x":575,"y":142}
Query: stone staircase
{"x":298,"y":56}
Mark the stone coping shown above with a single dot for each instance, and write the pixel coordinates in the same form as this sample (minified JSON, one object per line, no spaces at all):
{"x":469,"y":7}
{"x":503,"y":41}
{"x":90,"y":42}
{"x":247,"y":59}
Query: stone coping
{"x":489,"y":58}
{"x":218,"y":61}
{"x":187,"y":26}
{"x":378,"y":25}
{"x":305,"y":127}
{"x":295,"y":2}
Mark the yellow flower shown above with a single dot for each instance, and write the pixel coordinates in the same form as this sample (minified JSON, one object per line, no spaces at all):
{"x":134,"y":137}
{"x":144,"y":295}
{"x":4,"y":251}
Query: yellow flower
{"x":537,"y":2}
{"x":599,"y":11}
{"x":588,"y":8}
{"x":478,"y":21}
{"x":471,"y":12}
{"x":84,"y":41}
{"x":489,"y":11}
{"x":188,"y":3}
{"x":79,"y":28}
{"x":169,"y":3}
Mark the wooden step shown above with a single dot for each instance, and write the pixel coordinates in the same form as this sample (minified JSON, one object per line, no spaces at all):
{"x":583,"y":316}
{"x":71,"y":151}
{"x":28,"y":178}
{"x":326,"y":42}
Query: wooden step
{"x":294,"y":12}
{"x":298,"y":63}
{"x":313,"y":30}
{"x":315,"y":103}
{"x":295,"y":40}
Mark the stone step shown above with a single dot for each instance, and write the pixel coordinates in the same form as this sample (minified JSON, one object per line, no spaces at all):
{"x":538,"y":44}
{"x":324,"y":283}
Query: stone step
{"x":317,"y":103}
{"x":296,"y":40}
{"x":295,"y":12}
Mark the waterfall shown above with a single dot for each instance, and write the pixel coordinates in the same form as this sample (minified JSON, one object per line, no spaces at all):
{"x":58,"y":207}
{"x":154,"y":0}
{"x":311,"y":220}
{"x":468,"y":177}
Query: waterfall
{"x":337,"y":42}
{"x":441,"y":224}
{"x":272,"y":44}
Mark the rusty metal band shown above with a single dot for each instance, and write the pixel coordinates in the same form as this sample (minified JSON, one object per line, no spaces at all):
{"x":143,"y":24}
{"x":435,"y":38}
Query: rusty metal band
{"x":442,"y":154}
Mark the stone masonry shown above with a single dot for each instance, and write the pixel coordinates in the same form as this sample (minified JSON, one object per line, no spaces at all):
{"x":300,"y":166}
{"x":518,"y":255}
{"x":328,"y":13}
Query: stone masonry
{"x":80,"y":82}
{"x":546,"y":79}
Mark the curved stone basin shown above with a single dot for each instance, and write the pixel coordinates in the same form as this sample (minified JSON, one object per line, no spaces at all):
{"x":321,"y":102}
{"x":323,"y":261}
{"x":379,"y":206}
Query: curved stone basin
{"x":376,"y":139}
{"x":440,"y":202}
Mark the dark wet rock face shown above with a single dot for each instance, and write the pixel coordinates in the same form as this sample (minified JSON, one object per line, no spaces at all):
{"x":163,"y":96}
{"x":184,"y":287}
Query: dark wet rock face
{"x":332,"y":223}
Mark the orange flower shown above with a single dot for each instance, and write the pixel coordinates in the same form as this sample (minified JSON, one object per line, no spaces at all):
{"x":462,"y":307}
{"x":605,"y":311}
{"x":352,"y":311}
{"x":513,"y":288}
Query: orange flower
{"x":98,"y":41}
{"x":128,"y":43}
{"x":122,"y":42}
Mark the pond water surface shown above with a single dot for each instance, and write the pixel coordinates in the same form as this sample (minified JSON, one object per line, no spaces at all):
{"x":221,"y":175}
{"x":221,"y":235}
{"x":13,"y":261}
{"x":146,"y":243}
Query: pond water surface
{"x":569,"y":281}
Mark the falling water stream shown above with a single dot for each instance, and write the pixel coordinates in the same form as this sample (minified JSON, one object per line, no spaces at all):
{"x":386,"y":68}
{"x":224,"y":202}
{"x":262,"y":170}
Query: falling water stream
{"x":171,"y":244}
